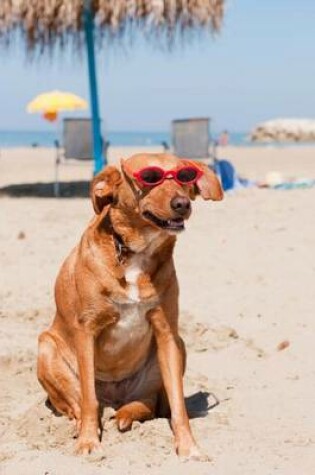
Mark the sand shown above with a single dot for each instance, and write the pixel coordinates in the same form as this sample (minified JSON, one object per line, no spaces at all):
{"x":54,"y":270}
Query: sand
{"x":246,"y":268}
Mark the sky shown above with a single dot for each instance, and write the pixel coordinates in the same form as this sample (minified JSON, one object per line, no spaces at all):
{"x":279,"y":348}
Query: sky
{"x":261,"y":66}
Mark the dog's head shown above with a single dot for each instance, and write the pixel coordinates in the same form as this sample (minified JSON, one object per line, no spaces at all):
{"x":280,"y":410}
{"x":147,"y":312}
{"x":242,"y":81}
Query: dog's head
{"x":158,"y":188}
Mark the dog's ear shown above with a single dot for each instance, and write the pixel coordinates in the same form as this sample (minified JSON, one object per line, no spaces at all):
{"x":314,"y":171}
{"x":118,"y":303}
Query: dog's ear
{"x":104,"y":188}
{"x":208,"y":186}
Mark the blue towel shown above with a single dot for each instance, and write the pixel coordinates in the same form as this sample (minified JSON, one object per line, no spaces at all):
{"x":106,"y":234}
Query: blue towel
{"x":229,"y":178}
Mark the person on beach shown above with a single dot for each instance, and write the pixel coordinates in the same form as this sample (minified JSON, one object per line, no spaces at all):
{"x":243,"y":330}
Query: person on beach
{"x":224,"y":138}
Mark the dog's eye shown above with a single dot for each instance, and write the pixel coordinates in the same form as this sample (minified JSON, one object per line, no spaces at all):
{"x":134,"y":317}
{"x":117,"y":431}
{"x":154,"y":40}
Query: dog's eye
{"x":187,"y":174}
{"x":151,"y":175}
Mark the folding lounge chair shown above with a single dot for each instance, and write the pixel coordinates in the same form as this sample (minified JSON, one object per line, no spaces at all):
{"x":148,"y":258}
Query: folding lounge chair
{"x":77,"y":145}
{"x":191,"y":138}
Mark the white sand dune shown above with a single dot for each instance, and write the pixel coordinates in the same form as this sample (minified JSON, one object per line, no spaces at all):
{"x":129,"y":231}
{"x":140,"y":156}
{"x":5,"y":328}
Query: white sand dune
{"x":247,"y":270}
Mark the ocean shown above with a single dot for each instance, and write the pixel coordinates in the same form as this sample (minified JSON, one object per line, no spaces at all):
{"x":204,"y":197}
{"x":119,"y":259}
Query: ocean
{"x":22,"y":138}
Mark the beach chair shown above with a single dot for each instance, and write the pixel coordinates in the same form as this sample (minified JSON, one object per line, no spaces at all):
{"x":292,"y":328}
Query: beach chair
{"x":77,"y":139}
{"x":191,"y":137}
{"x":76,"y":147}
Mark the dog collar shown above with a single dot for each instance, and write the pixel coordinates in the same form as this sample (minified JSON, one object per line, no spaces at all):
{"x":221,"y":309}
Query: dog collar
{"x":121,"y":249}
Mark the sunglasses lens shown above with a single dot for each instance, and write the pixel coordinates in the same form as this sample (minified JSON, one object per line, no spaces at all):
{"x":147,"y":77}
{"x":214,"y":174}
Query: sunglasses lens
{"x":187,"y":174}
{"x":151,"y":176}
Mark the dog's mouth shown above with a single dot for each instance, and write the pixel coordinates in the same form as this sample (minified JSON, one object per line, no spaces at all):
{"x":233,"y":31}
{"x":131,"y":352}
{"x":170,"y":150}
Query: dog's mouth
{"x":175,"y":224}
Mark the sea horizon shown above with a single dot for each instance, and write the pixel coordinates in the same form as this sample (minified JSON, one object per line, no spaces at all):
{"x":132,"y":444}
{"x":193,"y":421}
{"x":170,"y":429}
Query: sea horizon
{"x":47,"y":138}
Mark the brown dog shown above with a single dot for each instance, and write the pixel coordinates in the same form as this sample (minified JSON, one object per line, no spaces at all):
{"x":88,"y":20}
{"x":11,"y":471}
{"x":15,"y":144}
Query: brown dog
{"x":116,"y":324}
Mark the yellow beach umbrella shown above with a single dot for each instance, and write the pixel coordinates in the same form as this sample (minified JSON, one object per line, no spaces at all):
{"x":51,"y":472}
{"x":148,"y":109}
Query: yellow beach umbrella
{"x":51,"y":103}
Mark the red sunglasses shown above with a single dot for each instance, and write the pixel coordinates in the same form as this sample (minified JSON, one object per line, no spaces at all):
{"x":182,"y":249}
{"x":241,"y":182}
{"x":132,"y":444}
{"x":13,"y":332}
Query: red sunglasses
{"x":152,"y":176}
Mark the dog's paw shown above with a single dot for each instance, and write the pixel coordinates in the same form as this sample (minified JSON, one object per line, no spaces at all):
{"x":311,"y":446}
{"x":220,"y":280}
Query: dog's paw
{"x":87,"y":445}
{"x":124,"y":422}
{"x":192,"y":454}
{"x":124,"y":419}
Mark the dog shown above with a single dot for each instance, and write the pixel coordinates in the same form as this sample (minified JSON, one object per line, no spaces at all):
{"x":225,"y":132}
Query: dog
{"x":115,"y":332}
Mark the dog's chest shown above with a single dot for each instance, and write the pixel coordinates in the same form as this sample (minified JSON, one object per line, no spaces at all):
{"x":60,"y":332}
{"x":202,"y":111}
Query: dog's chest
{"x":132,"y":326}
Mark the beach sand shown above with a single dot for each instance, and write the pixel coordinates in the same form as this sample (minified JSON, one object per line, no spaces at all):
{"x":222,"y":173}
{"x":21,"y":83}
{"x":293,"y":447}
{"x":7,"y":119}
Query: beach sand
{"x":246,"y":268}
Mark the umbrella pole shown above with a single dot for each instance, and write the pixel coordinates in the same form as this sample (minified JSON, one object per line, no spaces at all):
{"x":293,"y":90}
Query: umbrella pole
{"x":99,"y":160}
{"x":57,"y":163}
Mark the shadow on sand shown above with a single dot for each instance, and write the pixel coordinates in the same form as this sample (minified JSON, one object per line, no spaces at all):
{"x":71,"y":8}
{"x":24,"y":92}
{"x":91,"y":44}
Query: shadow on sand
{"x":68,"y":189}
{"x":200,"y":403}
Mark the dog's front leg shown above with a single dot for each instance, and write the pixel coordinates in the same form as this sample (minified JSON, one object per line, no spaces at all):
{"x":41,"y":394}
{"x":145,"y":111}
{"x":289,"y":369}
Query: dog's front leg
{"x":171,"y":361}
{"x":88,"y":440}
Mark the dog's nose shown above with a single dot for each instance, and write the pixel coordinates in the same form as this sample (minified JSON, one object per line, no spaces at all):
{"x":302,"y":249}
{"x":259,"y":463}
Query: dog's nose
{"x":181,"y":205}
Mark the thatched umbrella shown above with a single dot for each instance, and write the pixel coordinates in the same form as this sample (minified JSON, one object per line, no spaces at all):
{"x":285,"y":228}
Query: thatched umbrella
{"x":45,"y":23}
{"x":284,"y":130}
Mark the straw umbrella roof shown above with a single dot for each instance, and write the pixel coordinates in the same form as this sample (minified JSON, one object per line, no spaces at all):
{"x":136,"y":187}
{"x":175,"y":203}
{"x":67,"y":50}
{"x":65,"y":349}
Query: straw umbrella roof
{"x":47,"y":22}
{"x":284,"y":130}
